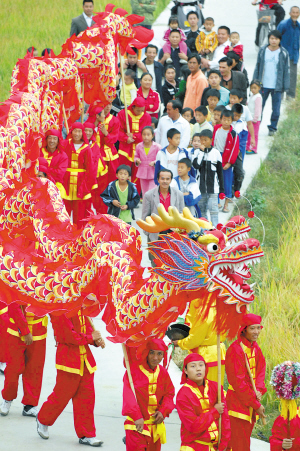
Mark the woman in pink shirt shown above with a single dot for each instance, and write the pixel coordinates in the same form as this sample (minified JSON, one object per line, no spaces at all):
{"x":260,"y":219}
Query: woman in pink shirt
{"x":151,"y":97}
{"x":145,"y":156}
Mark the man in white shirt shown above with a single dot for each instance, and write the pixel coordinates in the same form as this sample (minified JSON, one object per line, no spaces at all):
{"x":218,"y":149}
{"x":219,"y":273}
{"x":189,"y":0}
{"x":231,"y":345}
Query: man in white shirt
{"x":85,"y":20}
{"x":223,"y":39}
{"x":173,"y":120}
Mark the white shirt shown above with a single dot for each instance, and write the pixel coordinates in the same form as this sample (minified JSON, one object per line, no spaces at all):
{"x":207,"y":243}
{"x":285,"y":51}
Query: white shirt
{"x":218,"y":54}
{"x":150,"y":69}
{"x":172,"y":162}
{"x":88,"y":19}
{"x":182,"y":125}
{"x":271,"y":68}
{"x":245,"y":117}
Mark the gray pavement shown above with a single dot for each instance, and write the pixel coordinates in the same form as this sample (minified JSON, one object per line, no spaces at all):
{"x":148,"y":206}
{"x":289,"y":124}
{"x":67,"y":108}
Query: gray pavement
{"x":18,"y":433}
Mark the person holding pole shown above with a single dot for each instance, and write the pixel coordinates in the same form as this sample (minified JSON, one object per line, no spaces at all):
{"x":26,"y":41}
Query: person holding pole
{"x":147,"y":397}
{"x":245,"y":367}
{"x":202,"y":340}
{"x":199,"y":409}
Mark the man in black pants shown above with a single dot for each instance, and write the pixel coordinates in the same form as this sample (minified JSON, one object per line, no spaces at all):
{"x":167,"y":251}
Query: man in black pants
{"x":279,"y":14}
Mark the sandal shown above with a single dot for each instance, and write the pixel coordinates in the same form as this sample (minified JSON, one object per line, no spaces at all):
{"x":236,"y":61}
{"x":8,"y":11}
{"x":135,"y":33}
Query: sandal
{"x":250,"y":152}
{"x":225,"y":210}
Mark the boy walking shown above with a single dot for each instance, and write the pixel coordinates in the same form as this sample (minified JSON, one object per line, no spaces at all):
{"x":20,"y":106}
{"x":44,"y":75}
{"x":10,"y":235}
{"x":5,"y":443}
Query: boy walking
{"x":226,"y":141}
{"x":168,"y":157}
{"x":208,"y":162}
{"x":188,"y":186}
{"x":121,"y":196}
{"x":273,"y":71}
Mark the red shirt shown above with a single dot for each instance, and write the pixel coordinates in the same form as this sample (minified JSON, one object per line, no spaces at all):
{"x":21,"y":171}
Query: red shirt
{"x":166,"y":202}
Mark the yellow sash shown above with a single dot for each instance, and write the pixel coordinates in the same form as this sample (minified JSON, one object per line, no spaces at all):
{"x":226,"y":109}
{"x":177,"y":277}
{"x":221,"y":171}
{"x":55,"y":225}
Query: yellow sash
{"x":158,"y":431}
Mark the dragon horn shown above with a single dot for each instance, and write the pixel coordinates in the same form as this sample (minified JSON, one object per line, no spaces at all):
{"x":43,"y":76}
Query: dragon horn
{"x":204,"y":224}
{"x":152,"y":224}
{"x":206,"y":239}
{"x":174,"y":219}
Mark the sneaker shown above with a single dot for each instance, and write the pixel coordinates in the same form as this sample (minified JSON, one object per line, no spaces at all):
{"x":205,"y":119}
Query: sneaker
{"x":169,"y":61}
{"x":182,"y":61}
{"x":91,"y":441}
{"x":30,"y":411}
{"x":272,"y":132}
{"x":250,"y":152}
{"x":42,"y":430}
{"x":5,"y":407}
{"x":2,"y":367}
{"x":124,"y":440}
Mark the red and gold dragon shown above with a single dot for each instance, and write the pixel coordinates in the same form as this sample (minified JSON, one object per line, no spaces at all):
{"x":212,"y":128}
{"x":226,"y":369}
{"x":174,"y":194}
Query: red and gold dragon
{"x":49,"y":265}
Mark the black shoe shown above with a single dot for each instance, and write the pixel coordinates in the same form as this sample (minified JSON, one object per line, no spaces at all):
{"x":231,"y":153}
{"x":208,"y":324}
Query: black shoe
{"x":124,"y":440}
{"x":272,"y":132}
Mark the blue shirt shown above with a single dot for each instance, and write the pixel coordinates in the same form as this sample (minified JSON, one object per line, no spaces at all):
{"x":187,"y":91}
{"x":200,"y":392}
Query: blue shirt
{"x":290,"y":38}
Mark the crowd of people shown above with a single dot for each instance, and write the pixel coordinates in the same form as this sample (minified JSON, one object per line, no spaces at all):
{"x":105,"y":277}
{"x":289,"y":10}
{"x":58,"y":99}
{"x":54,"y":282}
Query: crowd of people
{"x":177,"y":135}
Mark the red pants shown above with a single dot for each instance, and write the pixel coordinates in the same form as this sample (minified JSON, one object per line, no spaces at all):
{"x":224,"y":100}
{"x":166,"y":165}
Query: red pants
{"x":139,"y":442}
{"x":256,"y":126}
{"x":98,"y":203}
{"x":241,"y":431}
{"x":80,"y":209}
{"x":81,"y":390}
{"x":28,"y":361}
{"x":112,"y":169}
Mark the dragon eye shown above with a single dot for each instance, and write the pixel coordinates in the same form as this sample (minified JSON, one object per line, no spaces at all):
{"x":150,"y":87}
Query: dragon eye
{"x":212,"y":248}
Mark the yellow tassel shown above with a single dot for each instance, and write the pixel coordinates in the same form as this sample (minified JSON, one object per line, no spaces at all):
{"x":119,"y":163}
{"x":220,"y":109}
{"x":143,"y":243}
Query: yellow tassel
{"x":288,"y":405}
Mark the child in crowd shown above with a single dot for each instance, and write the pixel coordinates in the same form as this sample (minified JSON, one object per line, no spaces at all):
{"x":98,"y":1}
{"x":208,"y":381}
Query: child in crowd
{"x":188,"y":114}
{"x":239,"y":127}
{"x":236,"y":45}
{"x":192,"y":151}
{"x":145,"y":157}
{"x":180,"y":94}
{"x":226,"y":141}
{"x":208,"y":163}
{"x":121,"y":196}
{"x":154,"y":122}
{"x":235,"y":97}
{"x":168,"y":157}
{"x":213,"y":97}
{"x":201,"y":114}
{"x":174,"y":25}
{"x":207,"y":40}
{"x":216,"y":119}
{"x":255,"y":108}
{"x":214,"y":80}
{"x":188,"y":186}
{"x":130,"y":87}
{"x":177,"y":58}
{"x":170,"y":87}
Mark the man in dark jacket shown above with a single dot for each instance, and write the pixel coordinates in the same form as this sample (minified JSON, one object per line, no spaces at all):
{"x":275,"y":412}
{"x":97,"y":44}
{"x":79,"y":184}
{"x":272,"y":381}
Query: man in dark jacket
{"x":154,"y":68}
{"x":290,"y":30}
{"x":85,"y":20}
{"x":273,"y":71}
{"x":121,"y":196}
{"x":232,"y":79}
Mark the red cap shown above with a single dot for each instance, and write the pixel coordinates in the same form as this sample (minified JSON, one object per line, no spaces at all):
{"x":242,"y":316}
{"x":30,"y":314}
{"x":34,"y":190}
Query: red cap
{"x":192,"y":358}
{"x":139,"y":102}
{"x":53,"y":132}
{"x":154,"y":344}
{"x":89,"y":124}
{"x":81,"y":127}
{"x":249,"y":320}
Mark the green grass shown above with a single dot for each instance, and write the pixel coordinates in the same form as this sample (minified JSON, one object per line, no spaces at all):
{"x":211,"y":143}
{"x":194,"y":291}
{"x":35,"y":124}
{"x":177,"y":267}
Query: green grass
{"x":26,"y":23}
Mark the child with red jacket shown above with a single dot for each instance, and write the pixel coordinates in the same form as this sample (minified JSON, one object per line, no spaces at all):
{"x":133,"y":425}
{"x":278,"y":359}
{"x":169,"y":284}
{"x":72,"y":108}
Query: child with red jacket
{"x":226,"y":141}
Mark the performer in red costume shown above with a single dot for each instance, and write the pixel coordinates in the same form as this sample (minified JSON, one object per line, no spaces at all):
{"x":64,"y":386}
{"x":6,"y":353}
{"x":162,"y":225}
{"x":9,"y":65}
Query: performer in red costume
{"x":145,"y":430}
{"x":279,"y":439}
{"x":138,"y":119}
{"x":100,"y":168}
{"x":4,"y":318}
{"x":199,"y":410}
{"x":26,"y":349}
{"x":243,"y":404}
{"x":75,"y":377}
{"x":80,"y":176}
{"x":107,"y":129}
{"x":57,"y":159}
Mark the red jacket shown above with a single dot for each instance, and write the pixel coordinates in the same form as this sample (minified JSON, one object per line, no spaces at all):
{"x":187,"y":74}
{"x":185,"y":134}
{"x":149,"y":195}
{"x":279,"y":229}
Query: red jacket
{"x":279,"y":432}
{"x":80,"y":175}
{"x":136,"y":125}
{"x":152,"y":99}
{"x":22,"y":323}
{"x":58,"y":163}
{"x":269,"y":2}
{"x":154,"y":391}
{"x":199,"y":418}
{"x":73,"y":335}
{"x":241,"y":399}
{"x":107,"y":143}
{"x":231,"y":149}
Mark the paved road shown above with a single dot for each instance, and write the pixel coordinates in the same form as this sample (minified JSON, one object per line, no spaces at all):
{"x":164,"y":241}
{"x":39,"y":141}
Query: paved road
{"x":18,"y":433}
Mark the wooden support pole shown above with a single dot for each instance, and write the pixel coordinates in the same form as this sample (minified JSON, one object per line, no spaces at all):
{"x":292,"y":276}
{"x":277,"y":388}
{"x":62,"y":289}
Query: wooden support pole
{"x":123,"y":89}
{"x":82,"y":113}
{"x":127,"y":364}
{"x":219,"y":382}
{"x":64,"y":113}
